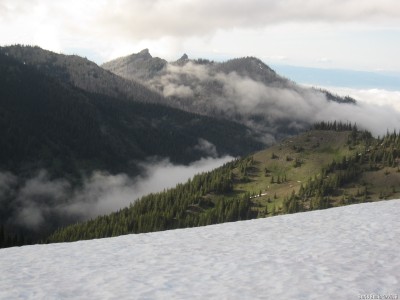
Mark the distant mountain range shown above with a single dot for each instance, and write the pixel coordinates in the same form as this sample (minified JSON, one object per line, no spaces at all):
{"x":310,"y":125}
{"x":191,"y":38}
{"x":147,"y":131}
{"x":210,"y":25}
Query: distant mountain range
{"x":244,"y":90}
{"x":67,"y":117}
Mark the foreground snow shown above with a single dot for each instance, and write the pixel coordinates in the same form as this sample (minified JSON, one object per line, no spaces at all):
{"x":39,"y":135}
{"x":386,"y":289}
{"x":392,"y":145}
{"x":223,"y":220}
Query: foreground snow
{"x":343,"y":252}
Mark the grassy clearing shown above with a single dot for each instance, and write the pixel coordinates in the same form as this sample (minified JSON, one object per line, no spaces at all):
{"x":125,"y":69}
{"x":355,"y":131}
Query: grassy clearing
{"x":279,"y":170}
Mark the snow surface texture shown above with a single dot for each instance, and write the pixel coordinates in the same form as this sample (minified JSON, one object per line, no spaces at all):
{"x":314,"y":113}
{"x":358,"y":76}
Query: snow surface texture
{"x":339,"y":253}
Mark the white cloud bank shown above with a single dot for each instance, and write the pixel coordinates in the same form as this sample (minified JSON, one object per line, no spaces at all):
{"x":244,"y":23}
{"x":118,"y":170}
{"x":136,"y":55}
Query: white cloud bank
{"x":279,"y":102}
{"x":377,"y":110}
{"x":39,"y":198}
{"x":378,"y":97}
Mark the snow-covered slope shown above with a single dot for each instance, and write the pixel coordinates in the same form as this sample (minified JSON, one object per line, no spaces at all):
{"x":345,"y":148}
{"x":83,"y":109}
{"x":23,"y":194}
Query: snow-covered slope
{"x":340,"y":253}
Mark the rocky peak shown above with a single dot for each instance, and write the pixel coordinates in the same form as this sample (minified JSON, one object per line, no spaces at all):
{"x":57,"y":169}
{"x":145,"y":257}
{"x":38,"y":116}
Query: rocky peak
{"x":145,"y":54}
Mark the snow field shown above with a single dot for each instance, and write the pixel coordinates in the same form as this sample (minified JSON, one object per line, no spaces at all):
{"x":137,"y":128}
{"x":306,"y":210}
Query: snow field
{"x":337,"y":253}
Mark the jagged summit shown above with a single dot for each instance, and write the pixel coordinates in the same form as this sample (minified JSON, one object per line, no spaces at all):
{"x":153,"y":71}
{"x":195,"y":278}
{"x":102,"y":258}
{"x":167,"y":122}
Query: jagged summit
{"x":145,"y":53}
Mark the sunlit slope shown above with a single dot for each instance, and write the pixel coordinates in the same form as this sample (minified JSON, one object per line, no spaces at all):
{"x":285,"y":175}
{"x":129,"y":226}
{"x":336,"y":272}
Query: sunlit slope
{"x":275,"y":174}
{"x":334,"y":165}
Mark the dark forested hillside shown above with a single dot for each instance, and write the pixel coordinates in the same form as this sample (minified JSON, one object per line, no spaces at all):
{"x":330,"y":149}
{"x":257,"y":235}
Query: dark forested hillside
{"x":244,"y":90}
{"x":334,"y":165}
{"x":81,"y":73}
{"x":47,"y":124}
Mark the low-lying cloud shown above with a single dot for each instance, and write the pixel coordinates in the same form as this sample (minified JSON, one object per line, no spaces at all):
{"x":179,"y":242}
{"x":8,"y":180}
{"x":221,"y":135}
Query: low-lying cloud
{"x":41,"y":200}
{"x":374,"y":96}
{"x":281,"y":103}
{"x":377,"y":110}
{"x":7,"y":184}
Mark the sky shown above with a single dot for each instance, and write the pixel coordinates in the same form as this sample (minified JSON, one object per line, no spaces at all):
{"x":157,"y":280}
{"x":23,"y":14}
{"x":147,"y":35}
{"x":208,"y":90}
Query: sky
{"x":347,"y":34}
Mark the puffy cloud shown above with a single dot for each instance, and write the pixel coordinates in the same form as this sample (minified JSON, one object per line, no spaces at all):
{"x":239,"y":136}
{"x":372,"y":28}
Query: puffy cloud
{"x":181,"y":91}
{"x":7,"y":183}
{"x":378,"y":97}
{"x":207,"y":148}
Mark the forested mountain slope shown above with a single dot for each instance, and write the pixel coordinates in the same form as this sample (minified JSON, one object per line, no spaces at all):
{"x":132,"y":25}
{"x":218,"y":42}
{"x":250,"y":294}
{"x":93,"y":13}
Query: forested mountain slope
{"x":334,"y":165}
{"x":46,"y":123}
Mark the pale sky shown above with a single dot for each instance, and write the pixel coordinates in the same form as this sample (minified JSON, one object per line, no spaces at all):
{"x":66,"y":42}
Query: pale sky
{"x":349,"y":34}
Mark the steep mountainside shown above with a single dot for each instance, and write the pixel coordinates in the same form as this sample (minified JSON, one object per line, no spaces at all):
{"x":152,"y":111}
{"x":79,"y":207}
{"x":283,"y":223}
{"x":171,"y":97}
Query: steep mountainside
{"x":52,"y":126}
{"x":244,"y":90}
{"x":332,"y":166}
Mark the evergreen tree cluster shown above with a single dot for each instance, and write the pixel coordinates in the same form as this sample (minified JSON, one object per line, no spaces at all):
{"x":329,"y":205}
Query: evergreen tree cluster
{"x":335,"y":126}
{"x":336,"y":98}
{"x":244,"y":167}
{"x":10,"y":240}
{"x":385,"y":152}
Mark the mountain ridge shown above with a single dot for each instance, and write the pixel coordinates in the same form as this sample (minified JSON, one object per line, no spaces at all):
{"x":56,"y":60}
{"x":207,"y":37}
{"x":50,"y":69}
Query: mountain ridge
{"x":245,"y":90}
{"x":81,"y":73}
